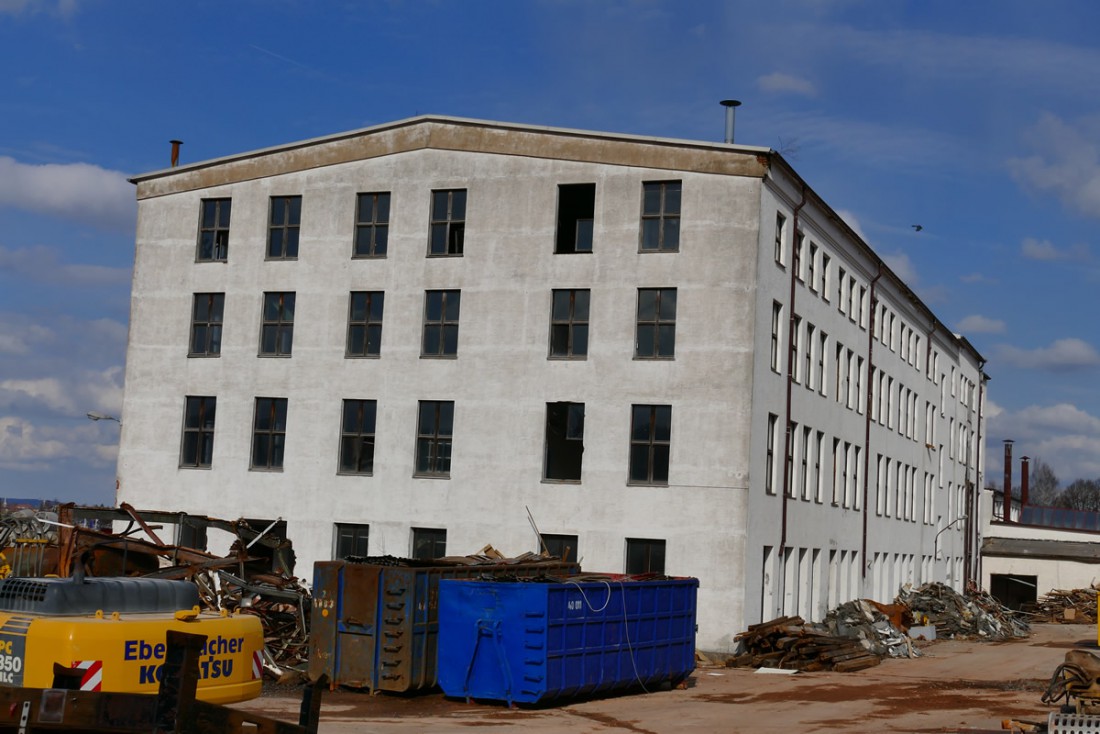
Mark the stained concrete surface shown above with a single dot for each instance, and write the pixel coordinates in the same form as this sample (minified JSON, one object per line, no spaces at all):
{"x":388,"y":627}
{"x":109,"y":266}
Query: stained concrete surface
{"x":955,"y":687}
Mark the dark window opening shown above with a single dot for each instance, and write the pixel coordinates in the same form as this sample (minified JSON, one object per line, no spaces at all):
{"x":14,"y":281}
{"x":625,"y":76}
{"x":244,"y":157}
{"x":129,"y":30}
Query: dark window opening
{"x":564,"y":441}
{"x":351,"y":540}
{"x":660,"y":216}
{"x":277,"y":333}
{"x":433,"y":438}
{"x":441,"y":310}
{"x":645,"y":556}
{"x":650,"y":443}
{"x":656,"y":334}
{"x":214,"y":230}
{"x":448,"y":223}
{"x":357,"y":437}
{"x":561,"y":546}
{"x":198,"y":432}
{"x":365,"y":323}
{"x":576,"y":214}
{"x":206,"y":324}
{"x":569,"y":324}
{"x":1014,"y":591}
{"x":372,"y":225}
{"x":429,"y":543}
{"x":269,"y":433}
{"x":286,"y":219}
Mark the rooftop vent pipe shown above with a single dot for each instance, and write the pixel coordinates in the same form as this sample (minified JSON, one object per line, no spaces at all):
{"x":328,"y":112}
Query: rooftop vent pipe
{"x":175,"y":152}
{"x":1007,"y":505}
{"x":731,"y":106}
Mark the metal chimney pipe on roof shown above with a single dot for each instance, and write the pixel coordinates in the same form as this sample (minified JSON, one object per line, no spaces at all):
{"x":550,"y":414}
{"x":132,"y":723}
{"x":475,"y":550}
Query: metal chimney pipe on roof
{"x":175,"y":152}
{"x":1006,"y":506}
{"x":731,"y":106}
{"x":1024,"y":481}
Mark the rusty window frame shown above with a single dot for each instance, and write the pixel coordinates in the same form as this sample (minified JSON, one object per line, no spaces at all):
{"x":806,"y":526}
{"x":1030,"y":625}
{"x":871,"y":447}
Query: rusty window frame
{"x":660,"y":230}
{"x":650,"y":444}
{"x":213,"y":242}
{"x":197,"y":443}
{"x":207,"y":312}
{"x":569,"y":313}
{"x":447,"y":223}
{"x":277,"y":327}
{"x":441,"y":317}
{"x":269,"y":434}
{"x":655,"y":337}
{"x":357,"y":426}
{"x":434,"y":438}
{"x":365,"y":310}
{"x":372,"y":225}
{"x":284,"y":227}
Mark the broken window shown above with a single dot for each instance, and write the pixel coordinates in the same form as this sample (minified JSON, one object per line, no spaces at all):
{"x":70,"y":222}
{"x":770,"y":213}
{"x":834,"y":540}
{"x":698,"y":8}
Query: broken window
{"x":645,"y":555}
{"x":428,"y":543}
{"x":214,"y":230}
{"x":660,"y":216}
{"x":562,"y":546}
{"x":351,"y":540}
{"x":282,"y":231}
{"x":576,"y":212}
{"x":372,"y":225}
{"x":198,"y":431}
{"x":656,"y":334}
{"x":650,"y":443}
{"x":569,"y":324}
{"x":564,"y":441}
{"x":365,"y":323}
{"x":277,"y":332}
{"x":357,"y":437}
{"x":433,"y":438}
{"x":206,"y":325}
{"x":269,"y":433}
{"x":448,"y":222}
{"x":441,"y":310}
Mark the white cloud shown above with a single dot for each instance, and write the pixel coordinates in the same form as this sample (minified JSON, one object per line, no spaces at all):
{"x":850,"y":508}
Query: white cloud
{"x":779,"y":82}
{"x":978,"y":324}
{"x":977,"y":278}
{"x":851,"y":220}
{"x":1034,"y":249}
{"x":44,"y":265}
{"x":79,"y":192}
{"x":47,"y":391}
{"x":63,"y":8}
{"x":902,"y":266}
{"x":1066,"y":165}
{"x":1062,"y":435}
{"x":23,"y":448}
{"x":1063,"y":355}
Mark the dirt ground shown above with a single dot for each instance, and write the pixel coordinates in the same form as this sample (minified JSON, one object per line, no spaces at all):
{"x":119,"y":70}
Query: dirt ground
{"x":957,"y":686}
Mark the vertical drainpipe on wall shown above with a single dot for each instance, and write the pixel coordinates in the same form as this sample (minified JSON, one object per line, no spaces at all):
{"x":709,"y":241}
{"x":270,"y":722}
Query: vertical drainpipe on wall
{"x":790,"y":382}
{"x":972,"y":556}
{"x":867,"y":417}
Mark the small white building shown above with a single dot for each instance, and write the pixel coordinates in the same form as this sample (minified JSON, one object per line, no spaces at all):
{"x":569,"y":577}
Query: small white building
{"x":416,"y":338}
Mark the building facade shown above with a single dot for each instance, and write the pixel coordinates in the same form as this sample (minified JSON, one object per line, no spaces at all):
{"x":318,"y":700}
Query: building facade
{"x":431,"y":335}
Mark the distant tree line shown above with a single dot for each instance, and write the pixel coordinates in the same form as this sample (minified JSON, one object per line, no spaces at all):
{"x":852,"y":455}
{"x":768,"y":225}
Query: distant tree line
{"x":1044,"y":490}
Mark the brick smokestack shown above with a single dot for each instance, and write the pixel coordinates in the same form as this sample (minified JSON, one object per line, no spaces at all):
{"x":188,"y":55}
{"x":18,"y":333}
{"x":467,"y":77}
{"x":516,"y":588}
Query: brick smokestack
{"x":1006,"y":511}
{"x":1023,"y":481}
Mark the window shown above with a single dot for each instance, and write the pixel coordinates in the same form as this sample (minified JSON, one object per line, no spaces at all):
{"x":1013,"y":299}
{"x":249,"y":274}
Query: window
{"x":433,"y":438}
{"x":277,"y":333}
{"x":269,"y":433}
{"x":441,"y":323}
{"x":645,"y":556}
{"x":282,"y":232}
{"x":795,"y":355}
{"x":562,"y":546}
{"x":351,"y":541}
{"x":661,"y":216}
{"x":428,"y":543}
{"x":569,"y":324}
{"x":826,"y":276}
{"x":810,"y":346}
{"x":800,"y":244}
{"x":811,"y":268}
{"x":769,"y":460}
{"x":214,"y":230}
{"x":206,"y":325}
{"x":780,"y":227}
{"x":372,"y":225}
{"x":365,"y":323}
{"x":656,"y":336}
{"x":777,"y":323}
{"x":650,"y":443}
{"x":576,"y":216}
{"x":198,"y":431}
{"x":357,"y":437}
{"x":564,"y":441}
{"x":448,"y":223}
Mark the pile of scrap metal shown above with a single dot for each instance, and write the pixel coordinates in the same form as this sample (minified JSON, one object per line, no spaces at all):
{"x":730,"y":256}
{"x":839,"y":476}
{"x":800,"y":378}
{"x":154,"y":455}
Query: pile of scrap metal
{"x":1075,"y":606}
{"x":255,"y":577}
{"x":28,"y":542}
{"x":973,"y":615}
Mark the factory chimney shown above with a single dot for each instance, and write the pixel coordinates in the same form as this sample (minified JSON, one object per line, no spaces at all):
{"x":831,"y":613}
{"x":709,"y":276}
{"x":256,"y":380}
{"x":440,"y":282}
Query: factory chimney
{"x":731,"y":106}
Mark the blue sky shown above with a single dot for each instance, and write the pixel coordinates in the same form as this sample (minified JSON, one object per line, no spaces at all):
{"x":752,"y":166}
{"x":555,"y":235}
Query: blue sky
{"x":978,"y":120}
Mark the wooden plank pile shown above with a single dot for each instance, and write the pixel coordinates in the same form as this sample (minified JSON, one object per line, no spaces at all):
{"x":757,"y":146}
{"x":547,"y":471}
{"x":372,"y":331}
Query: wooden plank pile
{"x":793,"y":644}
{"x":1074,"y":606}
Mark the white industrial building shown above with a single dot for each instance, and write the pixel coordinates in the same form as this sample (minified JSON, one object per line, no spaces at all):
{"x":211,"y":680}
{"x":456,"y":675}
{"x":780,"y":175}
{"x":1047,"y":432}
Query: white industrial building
{"x":416,"y":338}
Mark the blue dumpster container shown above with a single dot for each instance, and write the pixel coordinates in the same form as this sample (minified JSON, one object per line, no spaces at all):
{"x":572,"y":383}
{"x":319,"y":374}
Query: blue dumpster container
{"x":533,"y":642}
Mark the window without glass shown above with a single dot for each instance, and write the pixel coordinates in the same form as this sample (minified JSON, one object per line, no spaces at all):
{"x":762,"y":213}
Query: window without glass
{"x":372,"y":225}
{"x":269,"y":433}
{"x":365,"y":323}
{"x":660,"y":216}
{"x":428,"y":543}
{"x":448,"y":222}
{"x":644,"y":555}
{"x":561,"y":546}
{"x":214,"y":230}
{"x":656,"y":338}
{"x":650,"y":443}
{"x":357,"y":437}
{"x":780,"y":227}
{"x":277,"y":333}
{"x":282,"y":233}
{"x":206,"y":324}
{"x":433,"y":438}
{"x":576,"y":216}
{"x":351,"y":541}
{"x":569,"y":324}
{"x":777,"y":323}
{"x":198,"y":431}
{"x":564,"y":441}
{"x":769,"y":457}
{"x":441,"y":323}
